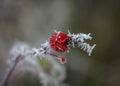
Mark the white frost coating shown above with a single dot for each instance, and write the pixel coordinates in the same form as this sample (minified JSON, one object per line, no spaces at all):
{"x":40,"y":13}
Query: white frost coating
{"x":36,"y":52}
{"x":87,"y":47}
{"x":46,"y":44}
{"x":32,"y":65}
{"x":19,"y":48}
{"x":29,"y":55}
{"x":55,"y":31}
{"x":46,"y":50}
{"x":58,"y":33}
{"x":79,"y":40}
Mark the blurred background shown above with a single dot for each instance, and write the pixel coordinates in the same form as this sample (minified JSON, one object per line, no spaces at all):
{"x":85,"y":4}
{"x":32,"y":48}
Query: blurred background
{"x":33,"y":21}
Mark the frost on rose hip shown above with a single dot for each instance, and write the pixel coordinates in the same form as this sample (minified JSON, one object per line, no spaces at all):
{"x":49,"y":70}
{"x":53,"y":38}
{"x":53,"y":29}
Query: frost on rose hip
{"x":61,"y":42}
{"x":57,"y":41}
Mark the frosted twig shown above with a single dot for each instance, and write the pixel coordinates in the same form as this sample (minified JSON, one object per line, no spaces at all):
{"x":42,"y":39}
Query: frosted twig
{"x":58,"y":43}
{"x":79,"y":40}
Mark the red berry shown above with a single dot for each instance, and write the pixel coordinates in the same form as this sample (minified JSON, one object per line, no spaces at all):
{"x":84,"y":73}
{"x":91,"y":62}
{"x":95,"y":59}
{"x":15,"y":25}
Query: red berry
{"x":57,"y":41}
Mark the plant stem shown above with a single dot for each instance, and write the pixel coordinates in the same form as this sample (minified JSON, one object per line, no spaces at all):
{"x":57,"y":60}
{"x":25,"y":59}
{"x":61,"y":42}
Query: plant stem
{"x":10,"y":73}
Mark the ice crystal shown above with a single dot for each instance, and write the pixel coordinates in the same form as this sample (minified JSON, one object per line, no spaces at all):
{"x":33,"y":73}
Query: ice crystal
{"x":79,"y":41}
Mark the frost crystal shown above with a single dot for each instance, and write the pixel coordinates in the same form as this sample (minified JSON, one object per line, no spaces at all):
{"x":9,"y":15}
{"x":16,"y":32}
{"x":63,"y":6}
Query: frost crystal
{"x":79,"y":40}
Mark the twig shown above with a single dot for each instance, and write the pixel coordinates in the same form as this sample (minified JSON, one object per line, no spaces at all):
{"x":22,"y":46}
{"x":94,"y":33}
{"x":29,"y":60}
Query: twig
{"x":58,"y":43}
{"x":10,"y":73}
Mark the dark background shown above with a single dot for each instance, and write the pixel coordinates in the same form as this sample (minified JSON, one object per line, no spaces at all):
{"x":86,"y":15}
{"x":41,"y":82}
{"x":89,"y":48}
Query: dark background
{"x":32,"y":21}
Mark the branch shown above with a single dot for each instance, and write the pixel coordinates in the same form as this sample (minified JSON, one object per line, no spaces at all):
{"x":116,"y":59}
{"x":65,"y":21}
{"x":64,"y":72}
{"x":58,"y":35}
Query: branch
{"x":10,"y":73}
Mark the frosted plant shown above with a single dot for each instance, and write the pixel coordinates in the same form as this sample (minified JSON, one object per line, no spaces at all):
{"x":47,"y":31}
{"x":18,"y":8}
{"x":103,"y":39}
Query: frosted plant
{"x":49,"y":51}
{"x":79,"y":40}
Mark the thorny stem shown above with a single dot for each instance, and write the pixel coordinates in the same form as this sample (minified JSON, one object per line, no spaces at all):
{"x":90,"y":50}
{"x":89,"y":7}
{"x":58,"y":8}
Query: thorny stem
{"x":10,"y":73}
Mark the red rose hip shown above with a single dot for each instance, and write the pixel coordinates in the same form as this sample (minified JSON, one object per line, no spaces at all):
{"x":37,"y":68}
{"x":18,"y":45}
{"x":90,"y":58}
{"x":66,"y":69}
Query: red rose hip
{"x":57,"y":41}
